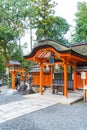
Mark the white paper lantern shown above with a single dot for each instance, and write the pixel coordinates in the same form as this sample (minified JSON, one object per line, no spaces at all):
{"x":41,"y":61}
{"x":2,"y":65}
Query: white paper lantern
{"x":83,"y":75}
{"x":56,"y":66}
{"x":47,"y":68}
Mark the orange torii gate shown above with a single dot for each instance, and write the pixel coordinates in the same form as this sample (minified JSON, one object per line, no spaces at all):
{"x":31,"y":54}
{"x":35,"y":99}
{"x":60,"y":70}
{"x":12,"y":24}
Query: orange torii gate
{"x":50,"y":53}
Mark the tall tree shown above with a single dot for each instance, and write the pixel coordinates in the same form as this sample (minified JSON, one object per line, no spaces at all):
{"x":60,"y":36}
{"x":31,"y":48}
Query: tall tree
{"x":2,"y":65}
{"x":13,"y":13}
{"x":48,"y":25}
{"x":56,"y":28}
{"x":43,"y":9}
{"x":80,"y":34}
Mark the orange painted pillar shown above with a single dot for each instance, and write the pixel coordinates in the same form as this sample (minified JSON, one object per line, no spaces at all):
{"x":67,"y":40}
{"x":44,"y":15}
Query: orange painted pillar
{"x":13,"y":73}
{"x":65,"y":81}
{"x":86,"y":78}
{"x":13,"y":80}
{"x":51,"y":76}
{"x":75,"y":81}
{"x":41,"y":79}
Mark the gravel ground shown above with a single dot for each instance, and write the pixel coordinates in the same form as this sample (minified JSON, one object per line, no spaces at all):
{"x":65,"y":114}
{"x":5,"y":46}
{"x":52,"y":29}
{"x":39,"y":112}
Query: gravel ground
{"x":7,"y":98}
{"x":56,"y":117}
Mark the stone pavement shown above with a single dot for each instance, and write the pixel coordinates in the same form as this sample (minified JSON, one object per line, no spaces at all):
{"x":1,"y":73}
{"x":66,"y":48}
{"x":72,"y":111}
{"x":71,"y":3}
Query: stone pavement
{"x":58,"y":98}
{"x":19,"y":108}
{"x":34,"y":102}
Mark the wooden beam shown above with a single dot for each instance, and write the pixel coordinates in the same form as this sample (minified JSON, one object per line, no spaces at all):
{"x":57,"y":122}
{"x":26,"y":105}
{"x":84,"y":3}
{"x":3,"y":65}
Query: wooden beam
{"x":74,"y":57}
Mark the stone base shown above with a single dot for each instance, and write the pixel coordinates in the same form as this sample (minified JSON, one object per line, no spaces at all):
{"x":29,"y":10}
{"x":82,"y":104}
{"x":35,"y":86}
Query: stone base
{"x":12,"y":92}
{"x":31,"y":91}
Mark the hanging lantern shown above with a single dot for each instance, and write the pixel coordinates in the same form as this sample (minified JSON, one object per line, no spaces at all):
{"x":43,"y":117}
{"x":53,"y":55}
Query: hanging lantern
{"x":51,"y":60}
{"x":7,"y":70}
{"x":56,"y":66}
{"x":47,"y":68}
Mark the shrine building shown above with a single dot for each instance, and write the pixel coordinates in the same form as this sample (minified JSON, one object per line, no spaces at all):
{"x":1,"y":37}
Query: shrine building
{"x":58,"y":64}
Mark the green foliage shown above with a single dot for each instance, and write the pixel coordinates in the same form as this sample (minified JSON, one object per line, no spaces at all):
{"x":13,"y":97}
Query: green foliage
{"x":2,"y":65}
{"x":81,"y":23}
{"x":16,"y":53}
{"x":55,"y":28}
{"x":48,"y":25}
{"x":18,"y":15}
{"x":13,"y":14}
{"x":42,"y":10}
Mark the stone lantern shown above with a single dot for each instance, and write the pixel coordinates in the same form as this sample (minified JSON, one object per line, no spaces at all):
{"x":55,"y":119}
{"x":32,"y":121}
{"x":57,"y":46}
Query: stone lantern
{"x":13,"y":66}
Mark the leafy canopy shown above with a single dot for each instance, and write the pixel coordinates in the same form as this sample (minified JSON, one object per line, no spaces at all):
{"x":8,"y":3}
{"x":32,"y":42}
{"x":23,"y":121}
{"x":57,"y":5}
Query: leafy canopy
{"x":81,"y":23}
{"x":12,"y":23}
{"x":48,"y":25}
{"x":55,"y":28}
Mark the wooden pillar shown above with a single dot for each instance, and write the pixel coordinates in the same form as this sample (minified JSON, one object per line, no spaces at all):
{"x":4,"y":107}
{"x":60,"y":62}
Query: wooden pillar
{"x":86,"y":78}
{"x":13,"y":73}
{"x":41,"y":79}
{"x":51,"y":76}
{"x":75,"y":81}
{"x":65,"y":81}
{"x":13,"y":80}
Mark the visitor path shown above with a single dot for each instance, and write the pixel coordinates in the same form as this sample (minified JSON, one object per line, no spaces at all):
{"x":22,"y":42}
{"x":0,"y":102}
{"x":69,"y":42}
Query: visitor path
{"x":16,"y":105}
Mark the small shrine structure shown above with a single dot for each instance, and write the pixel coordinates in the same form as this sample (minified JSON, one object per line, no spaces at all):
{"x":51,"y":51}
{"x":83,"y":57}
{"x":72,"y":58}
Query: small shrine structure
{"x":50,"y":55}
{"x":13,"y":66}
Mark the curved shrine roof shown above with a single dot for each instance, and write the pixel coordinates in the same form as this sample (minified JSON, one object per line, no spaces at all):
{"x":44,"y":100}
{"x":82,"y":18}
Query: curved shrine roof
{"x":61,"y":48}
{"x":80,"y":48}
